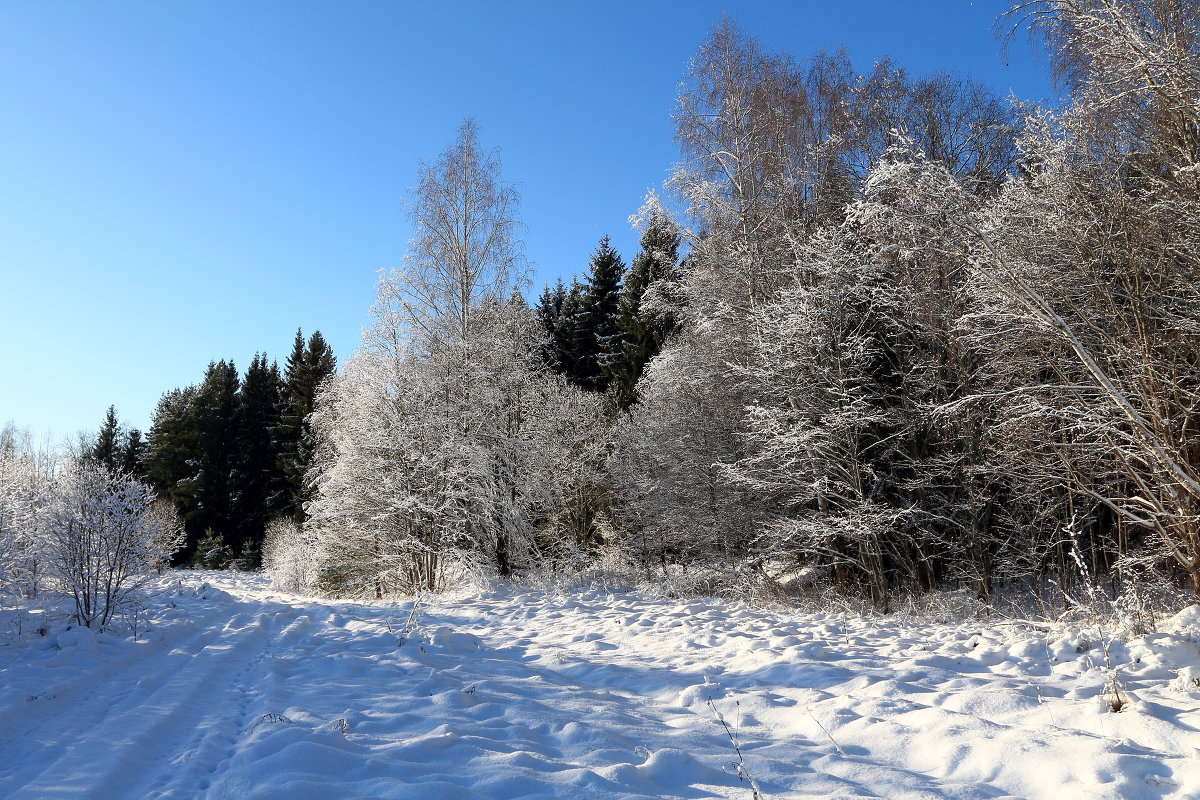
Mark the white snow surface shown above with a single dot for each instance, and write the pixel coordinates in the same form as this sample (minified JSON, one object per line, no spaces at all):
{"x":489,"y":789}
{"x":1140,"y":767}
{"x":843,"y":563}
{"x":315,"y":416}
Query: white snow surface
{"x":236,"y":690}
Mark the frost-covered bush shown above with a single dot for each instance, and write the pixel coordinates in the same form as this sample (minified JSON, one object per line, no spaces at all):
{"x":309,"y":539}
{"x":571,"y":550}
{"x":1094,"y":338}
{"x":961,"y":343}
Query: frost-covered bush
{"x":22,"y":495}
{"x":290,"y":556}
{"x":103,"y":535}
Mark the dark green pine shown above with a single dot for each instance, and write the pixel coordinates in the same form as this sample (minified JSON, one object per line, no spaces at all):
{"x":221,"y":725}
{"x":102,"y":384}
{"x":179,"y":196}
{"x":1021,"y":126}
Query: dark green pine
{"x":216,"y":486}
{"x":548,"y":313}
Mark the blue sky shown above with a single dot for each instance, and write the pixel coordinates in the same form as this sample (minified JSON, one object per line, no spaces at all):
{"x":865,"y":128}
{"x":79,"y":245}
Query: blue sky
{"x":188,"y":181}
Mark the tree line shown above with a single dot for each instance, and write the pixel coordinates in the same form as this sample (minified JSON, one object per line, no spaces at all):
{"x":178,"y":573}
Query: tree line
{"x":228,"y":452}
{"x":223,"y":458}
{"x":885,"y":335}
{"x":921,"y":338}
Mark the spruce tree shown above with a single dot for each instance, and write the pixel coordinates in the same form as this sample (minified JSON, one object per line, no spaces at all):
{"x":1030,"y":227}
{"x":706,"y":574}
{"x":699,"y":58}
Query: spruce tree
{"x":598,"y":334}
{"x":133,"y":454}
{"x":216,"y":487}
{"x":107,"y":450}
{"x":571,"y":345}
{"x":306,"y":367}
{"x":548,"y":313}
{"x":256,"y":453}
{"x":220,"y":450}
{"x":644,"y":323}
{"x":172,"y":457}
{"x":117,"y":450}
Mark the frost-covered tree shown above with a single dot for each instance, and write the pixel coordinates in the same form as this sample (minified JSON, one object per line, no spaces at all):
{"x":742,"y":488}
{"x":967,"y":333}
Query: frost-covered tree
{"x":649,"y":308}
{"x":438,"y":461}
{"x":802,"y":389}
{"x":675,"y":504}
{"x":24,"y":492}
{"x":430,"y":453}
{"x":465,"y":249}
{"x":103,"y":536}
{"x":289,"y":556}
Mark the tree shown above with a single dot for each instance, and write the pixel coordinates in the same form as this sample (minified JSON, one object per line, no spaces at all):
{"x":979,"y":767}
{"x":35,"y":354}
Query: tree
{"x":133,"y":454}
{"x":1132,"y":66}
{"x":793,"y":411}
{"x":598,"y":331}
{"x":257,"y":456}
{"x":107,"y":450}
{"x":214,"y":485}
{"x":307,"y":367}
{"x":465,"y":249}
{"x":570,"y":342}
{"x":648,"y":311}
{"x":173,"y":447}
{"x":549,"y":315}
{"x":25,"y":478}
{"x":192,"y":455}
{"x":675,"y":506}
{"x":117,"y":448}
{"x":104,"y":536}
{"x":434,"y":404}
{"x":289,"y":556}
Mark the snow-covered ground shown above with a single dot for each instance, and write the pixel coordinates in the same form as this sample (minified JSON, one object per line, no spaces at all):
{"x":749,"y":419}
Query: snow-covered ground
{"x":240,"y":691}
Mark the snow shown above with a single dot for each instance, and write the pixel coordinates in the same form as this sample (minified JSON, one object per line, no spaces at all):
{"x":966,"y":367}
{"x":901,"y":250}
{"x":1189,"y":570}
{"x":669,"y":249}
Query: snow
{"x":232,"y":689}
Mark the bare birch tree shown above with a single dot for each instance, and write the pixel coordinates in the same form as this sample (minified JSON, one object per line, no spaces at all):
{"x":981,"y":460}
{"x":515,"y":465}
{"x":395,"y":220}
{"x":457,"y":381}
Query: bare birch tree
{"x":465,"y":248}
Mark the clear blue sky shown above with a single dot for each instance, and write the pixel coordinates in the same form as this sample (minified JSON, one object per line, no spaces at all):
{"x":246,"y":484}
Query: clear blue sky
{"x":188,"y":181}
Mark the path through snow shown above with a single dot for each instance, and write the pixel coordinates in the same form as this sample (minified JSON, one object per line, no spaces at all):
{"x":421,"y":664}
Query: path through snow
{"x":239,"y":691}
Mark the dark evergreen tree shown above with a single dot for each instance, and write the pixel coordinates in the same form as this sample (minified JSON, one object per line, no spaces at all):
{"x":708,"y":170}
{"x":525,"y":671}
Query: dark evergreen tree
{"x":256,"y":458}
{"x":548,"y":313}
{"x":229,"y":453}
{"x":214,"y":484}
{"x":118,"y":450}
{"x":571,"y":344}
{"x":306,"y":367}
{"x":598,"y":334}
{"x":646,"y":317}
{"x":172,"y":455}
{"x":133,"y":454}
{"x":107,"y":450}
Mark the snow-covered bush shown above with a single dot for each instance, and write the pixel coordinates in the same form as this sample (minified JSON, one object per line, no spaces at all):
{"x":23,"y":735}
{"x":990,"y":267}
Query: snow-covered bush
{"x":290,"y":556}
{"x":22,"y":495}
{"x":103,"y":535}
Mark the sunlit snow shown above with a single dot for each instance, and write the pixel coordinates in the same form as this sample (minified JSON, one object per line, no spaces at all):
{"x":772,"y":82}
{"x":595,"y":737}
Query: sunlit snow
{"x":235,"y":690}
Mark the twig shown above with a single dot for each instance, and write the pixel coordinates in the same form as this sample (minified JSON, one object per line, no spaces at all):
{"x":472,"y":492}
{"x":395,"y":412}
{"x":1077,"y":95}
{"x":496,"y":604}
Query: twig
{"x":836,"y":746}
{"x":743,"y":771}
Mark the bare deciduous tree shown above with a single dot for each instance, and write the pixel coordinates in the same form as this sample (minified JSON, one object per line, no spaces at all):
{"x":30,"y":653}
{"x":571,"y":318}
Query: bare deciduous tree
{"x":465,"y":249}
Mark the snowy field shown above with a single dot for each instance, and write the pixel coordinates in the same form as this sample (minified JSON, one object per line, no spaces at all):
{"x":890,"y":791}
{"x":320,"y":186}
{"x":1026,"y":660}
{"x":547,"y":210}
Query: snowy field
{"x":235,"y":690}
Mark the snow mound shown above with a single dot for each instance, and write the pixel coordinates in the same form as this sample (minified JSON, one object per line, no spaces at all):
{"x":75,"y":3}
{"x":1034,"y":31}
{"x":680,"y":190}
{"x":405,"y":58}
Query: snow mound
{"x":1185,"y":623}
{"x":448,"y":641}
